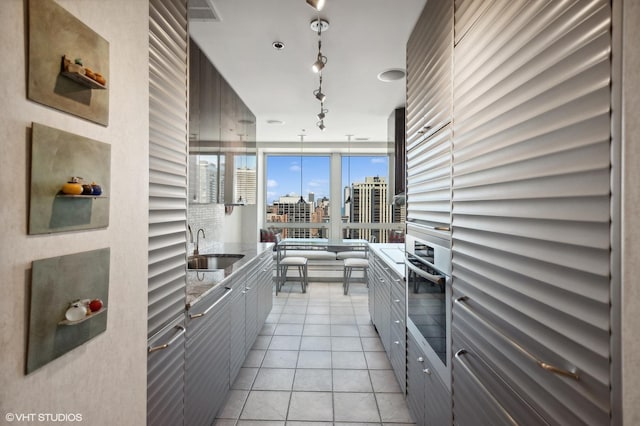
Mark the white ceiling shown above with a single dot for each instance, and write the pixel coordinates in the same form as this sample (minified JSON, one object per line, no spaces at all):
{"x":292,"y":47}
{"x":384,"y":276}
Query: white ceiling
{"x":365,"y":37}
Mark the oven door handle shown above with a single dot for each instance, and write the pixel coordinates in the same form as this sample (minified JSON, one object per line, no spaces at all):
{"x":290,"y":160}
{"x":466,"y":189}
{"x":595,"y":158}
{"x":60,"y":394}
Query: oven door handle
{"x":436,"y":279}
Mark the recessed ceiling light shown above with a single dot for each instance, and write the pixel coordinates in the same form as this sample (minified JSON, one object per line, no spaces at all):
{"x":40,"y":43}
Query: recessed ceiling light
{"x":275,"y":122}
{"x":391,"y":75}
{"x":278,"y":45}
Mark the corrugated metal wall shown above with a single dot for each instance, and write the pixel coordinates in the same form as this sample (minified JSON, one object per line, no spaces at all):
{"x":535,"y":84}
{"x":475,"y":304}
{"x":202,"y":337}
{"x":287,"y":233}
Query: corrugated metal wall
{"x":168,"y":131}
{"x":168,"y":43}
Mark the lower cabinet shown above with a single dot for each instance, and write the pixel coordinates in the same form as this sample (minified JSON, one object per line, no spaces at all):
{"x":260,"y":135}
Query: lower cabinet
{"x":428,"y":398}
{"x":387,"y":304}
{"x":207,"y":358}
{"x":220,"y":330}
{"x":249,"y":307}
{"x":236,"y":326}
{"x":165,"y":375}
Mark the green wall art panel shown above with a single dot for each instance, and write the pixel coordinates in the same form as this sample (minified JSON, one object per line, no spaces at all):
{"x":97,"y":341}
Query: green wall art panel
{"x":53,"y":34}
{"x":56,"y":157}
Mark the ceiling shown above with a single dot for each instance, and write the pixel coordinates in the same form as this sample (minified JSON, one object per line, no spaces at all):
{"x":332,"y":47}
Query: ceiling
{"x":365,"y":37}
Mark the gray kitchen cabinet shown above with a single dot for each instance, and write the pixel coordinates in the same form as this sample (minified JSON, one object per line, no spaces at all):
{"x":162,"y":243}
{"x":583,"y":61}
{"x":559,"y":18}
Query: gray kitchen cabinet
{"x":389,"y":313}
{"x":383,"y":305}
{"x":249,"y":307}
{"x":398,"y":326}
{"x":265,"y":286}
{"x":237,"y":325}
{"x":429,"y":114}
{"x":533,"y":225}
{"x":165,"y":375}
{"x":207,"y":358}
{"x":428,"y":399}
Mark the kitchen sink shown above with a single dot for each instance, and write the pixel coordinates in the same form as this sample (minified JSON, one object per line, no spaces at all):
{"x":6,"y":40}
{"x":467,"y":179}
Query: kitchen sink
{"x":212,"y":261}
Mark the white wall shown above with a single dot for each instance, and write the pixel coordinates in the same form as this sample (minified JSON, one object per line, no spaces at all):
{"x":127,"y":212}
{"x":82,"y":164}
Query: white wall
{"x":631,"y":214}
{"x":104,"y":380}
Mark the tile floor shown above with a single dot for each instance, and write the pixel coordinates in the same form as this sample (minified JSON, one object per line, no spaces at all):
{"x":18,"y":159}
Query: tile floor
{"x":318,"y":360}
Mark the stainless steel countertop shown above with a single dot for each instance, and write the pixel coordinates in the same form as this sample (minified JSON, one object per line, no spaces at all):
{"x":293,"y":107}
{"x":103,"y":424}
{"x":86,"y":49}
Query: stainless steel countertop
{"x":387,"y":253}
{"x":200,"y":283}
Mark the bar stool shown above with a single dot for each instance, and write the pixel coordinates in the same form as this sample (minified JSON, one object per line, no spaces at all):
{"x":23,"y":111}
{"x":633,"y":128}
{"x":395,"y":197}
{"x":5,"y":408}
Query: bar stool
{"x":349,"y":265}
{"x":298,"y":261}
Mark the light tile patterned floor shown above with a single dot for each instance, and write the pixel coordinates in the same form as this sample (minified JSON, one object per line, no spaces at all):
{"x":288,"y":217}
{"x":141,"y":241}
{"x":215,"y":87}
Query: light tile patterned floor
{"x":318,"y":361}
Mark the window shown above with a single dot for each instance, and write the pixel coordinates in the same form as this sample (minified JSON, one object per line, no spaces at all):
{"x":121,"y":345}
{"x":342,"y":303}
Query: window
{"x":297,"y":195}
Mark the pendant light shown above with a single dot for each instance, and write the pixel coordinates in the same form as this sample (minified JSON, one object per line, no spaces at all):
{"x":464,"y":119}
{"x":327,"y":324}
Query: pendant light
{"x":316,"y":4}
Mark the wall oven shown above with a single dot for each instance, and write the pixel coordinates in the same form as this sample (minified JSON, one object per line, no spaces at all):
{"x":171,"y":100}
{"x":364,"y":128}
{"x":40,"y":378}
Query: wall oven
{"x":429,"y":301}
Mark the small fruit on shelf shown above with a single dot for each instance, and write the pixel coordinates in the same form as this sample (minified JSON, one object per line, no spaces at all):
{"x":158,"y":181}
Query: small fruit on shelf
{"x":95,"y":305}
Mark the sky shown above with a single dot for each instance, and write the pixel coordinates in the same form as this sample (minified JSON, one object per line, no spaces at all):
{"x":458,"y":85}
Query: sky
{"x":283,"y":174}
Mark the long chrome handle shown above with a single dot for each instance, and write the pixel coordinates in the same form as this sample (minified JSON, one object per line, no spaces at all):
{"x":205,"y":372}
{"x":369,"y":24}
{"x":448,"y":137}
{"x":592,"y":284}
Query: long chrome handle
{"x":169,"y":343}
{"x":436,"y":279}
{"x":573,"y":374}
{"x":206,"y":311}
{"x":483,"y":387}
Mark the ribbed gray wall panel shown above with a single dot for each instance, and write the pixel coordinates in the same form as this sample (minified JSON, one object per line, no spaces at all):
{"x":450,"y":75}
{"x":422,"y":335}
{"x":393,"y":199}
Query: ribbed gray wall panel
{"x":531,"y":205}
{"x":167,"y":160}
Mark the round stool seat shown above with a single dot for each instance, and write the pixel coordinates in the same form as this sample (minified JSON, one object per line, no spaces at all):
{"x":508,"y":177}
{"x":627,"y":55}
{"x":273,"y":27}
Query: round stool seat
{"x":356,"y":263}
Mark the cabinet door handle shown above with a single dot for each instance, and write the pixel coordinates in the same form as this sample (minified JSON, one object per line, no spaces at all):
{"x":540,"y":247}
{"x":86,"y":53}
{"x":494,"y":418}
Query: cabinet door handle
{"x":397,"y":342}
{"x":169,"y":343}
{"x":420,"y":359}
{"x":573,"y":373}
{"x":397,"y":300}
{"x":397,"y":321}
{"x":206,"y":311}
{"x":427,"y":371}
{"x":247,"y":288}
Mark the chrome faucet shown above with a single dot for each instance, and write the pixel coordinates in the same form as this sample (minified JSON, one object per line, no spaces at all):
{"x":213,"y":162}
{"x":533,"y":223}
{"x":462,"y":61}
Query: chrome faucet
{"x":196,"y":251}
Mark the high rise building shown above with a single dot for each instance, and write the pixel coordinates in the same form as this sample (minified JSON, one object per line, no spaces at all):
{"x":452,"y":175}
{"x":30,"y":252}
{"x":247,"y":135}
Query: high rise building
{"x":368,"y":204}
{"x":246,"y":185}
{"x":296,"y":210}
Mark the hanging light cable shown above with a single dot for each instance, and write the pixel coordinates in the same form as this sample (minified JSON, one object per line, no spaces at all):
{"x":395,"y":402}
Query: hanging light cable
{"x":321,"y":60}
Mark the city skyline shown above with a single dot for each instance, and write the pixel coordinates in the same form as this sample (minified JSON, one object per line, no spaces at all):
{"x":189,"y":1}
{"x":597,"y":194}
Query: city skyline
{"x":283,"y":174}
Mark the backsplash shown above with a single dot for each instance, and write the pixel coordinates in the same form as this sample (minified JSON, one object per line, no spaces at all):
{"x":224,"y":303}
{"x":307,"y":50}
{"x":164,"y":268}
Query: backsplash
{"x":210,"y":218}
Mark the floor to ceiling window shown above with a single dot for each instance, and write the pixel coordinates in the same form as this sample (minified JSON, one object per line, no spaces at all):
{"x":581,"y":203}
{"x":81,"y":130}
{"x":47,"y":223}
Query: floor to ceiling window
{"x":299,"y":205}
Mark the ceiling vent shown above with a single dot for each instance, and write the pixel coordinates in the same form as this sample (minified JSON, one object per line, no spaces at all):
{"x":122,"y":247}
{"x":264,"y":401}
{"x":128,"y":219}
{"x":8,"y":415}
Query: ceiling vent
{"x":203,"y":10}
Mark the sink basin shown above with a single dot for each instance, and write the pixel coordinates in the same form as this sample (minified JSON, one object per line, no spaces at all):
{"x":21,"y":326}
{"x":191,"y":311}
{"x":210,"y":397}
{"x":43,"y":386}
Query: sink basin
{"x":212,"y":261}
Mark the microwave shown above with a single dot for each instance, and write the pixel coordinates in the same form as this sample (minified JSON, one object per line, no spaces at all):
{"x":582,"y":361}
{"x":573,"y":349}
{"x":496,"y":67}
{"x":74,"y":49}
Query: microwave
{"x":429,"y":301}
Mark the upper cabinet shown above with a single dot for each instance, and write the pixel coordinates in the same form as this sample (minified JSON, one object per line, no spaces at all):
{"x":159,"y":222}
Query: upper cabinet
{"x":222,"y":135}
{"x":429,"y":71}
{"x":428,"y":122}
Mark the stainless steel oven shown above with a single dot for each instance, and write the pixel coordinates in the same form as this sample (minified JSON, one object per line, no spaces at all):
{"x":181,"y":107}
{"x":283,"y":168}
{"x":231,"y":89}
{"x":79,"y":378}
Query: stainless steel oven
{"x":429,"y":301}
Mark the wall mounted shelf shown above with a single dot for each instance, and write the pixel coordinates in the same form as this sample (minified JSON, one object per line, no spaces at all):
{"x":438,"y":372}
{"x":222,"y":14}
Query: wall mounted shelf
{"x":84,"y":80}
{"x":91,"y":315}
{"x":80,"y":196}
